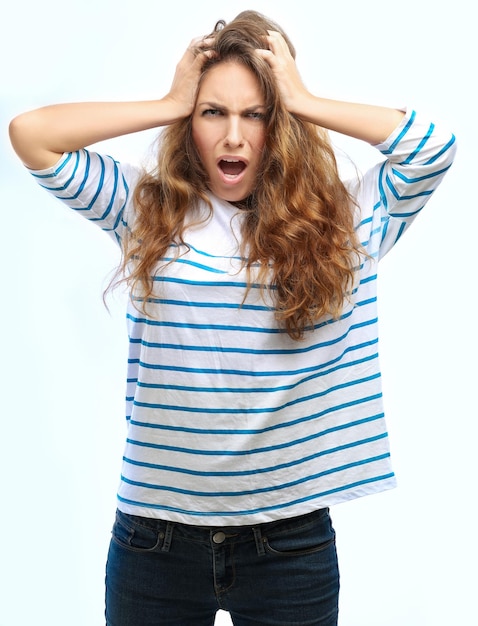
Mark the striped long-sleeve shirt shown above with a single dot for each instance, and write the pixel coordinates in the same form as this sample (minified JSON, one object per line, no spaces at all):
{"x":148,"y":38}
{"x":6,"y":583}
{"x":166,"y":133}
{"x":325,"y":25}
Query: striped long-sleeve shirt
{"x":229,"y":420}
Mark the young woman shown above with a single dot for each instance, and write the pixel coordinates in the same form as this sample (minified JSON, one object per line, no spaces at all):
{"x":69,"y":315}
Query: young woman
{"x":254,"y":397}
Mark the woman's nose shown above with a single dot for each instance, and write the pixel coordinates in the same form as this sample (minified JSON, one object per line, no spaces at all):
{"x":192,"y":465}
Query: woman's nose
{"x":234,"y":136}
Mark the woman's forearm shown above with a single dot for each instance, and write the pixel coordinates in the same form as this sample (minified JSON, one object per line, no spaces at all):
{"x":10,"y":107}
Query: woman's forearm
{"x":40,"y":136}
{"x":366,"y":122}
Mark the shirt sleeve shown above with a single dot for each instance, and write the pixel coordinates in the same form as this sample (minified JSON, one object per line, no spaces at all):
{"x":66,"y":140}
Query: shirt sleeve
{"x":392,"y":193}
{"x":95,"y":186}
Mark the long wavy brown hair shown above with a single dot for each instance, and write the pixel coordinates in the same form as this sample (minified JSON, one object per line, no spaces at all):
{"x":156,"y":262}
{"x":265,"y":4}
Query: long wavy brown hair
{"x":299,"y":220}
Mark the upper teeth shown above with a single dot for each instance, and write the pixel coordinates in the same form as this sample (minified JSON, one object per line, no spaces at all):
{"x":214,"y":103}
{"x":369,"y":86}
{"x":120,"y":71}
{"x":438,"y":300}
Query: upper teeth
{"x":231,"y":160}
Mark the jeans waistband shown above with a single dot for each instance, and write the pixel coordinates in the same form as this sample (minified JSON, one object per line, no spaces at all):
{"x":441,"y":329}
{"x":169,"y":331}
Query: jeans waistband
{"x":221,"y":535}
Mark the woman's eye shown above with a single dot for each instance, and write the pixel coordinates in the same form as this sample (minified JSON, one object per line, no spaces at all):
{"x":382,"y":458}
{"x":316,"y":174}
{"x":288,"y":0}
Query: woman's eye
{"x":256,"y":115}
{"x":211,"y":112}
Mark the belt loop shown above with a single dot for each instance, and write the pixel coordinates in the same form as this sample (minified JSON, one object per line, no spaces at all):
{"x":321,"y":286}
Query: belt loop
{"x":259,"y":543}
{"x":168,"y":536}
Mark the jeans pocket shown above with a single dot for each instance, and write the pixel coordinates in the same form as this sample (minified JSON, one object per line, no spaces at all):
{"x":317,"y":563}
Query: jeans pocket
{"x":135,"y":536}
{"x":311,"y":537}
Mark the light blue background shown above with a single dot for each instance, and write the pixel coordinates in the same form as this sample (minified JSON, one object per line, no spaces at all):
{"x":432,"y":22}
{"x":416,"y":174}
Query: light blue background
{"x":408,"y":557}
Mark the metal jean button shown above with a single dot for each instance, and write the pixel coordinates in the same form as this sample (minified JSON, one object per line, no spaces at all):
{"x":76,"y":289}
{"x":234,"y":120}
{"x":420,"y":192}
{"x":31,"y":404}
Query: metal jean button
{"x":219,"y":537}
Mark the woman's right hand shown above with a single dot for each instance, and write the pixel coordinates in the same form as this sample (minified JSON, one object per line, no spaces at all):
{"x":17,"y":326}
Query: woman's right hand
{"x":184,"y":87}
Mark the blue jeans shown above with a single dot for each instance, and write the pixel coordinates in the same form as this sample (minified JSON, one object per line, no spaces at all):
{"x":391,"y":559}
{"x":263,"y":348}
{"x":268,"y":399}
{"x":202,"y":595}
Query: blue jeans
{"x":282,"y":573}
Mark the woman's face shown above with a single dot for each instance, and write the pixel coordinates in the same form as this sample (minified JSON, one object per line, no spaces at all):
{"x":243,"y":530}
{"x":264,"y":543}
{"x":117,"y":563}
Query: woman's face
{"x":228,"y":127}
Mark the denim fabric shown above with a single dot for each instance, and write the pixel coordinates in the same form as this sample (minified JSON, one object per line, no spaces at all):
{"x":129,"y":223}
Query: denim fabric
{"x":282,"y":573}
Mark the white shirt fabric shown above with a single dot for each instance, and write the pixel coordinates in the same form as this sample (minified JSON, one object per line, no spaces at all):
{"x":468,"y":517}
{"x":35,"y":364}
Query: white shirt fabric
{"x":229,"y":420}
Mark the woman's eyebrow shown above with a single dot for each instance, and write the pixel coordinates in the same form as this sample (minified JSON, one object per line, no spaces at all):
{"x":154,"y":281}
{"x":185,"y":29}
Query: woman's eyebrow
{"x":222,"y":107}
{"x":212,"y":105}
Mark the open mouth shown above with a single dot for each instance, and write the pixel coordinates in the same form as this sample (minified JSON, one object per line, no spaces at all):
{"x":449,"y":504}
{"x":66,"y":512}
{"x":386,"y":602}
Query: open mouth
{"x":231,"y":167}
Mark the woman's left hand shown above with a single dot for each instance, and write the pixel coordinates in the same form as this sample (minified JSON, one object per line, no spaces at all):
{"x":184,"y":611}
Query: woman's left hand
{"x":285,"y":70}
